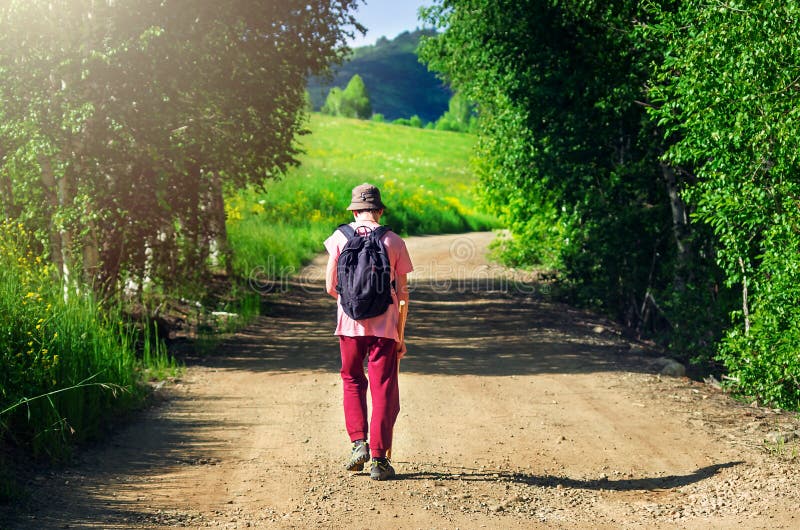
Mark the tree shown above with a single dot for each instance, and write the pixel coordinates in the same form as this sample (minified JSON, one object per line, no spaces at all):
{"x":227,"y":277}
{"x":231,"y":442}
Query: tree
{"x":566,"y":154}
{"x":333,"y":103}
{"x":728,"y":94}
{"x":459,"y":117}
{"x":356,"y":99}
{"x":649,"y":151}
{"x":352,"y":102}
{"x":125,"y":122}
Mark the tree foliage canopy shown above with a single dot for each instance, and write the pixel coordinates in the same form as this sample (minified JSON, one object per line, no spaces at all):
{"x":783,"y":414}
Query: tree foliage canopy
{"x":352,"y":102}
{"x":649,"y":153}
{"x":728,"y":96}
{"x":124,"y":121}
{"x":564,"y":152}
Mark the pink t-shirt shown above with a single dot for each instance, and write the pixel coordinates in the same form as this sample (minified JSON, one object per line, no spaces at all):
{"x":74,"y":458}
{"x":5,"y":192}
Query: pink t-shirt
{"x":384,"y":325}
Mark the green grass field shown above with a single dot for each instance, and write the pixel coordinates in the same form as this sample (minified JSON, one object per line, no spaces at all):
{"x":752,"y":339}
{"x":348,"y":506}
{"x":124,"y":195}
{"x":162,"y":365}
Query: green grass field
{"x":424,"y":176}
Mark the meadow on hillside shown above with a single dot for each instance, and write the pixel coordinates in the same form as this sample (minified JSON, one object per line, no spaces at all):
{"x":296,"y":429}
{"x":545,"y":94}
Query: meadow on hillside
{"x":424,"y":176}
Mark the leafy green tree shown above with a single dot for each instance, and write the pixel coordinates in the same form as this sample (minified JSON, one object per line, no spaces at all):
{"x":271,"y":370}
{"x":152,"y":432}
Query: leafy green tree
{"x":658,"y":191}
{"x":333,"y":103}
{"x":566,"y":152}
{"x":352,"y":102}
{"x":124,"y":123}
{"x":460,"y":116}
{"x":355,"y":99}
{"x":728,"y":94}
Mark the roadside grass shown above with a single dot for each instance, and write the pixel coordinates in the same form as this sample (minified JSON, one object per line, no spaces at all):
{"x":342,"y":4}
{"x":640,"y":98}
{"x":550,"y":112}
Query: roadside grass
{"x":424,"y":176}
{"x":69,"y":363}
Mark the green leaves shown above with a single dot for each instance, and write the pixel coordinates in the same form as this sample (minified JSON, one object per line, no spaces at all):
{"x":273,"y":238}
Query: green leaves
{"x":650,"y":152}
{"x":563,"y":142}
{"x":730,"y":107}
{"x":125,"y":122}
{"x":352,"y":102}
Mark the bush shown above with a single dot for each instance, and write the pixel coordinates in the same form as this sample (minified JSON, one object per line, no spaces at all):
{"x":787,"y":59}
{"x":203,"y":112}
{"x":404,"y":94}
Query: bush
{"x":413,"y":121}
{"x":762,"y":353}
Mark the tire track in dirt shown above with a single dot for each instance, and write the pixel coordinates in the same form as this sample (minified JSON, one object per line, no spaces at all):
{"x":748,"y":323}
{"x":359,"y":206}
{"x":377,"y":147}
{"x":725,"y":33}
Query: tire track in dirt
{"x":517,"y":412}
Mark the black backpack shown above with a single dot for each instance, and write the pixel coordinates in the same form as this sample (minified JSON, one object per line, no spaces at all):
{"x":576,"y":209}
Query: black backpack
{"x":364,"y":273}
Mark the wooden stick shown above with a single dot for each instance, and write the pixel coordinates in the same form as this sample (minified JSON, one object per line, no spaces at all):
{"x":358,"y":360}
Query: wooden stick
{"x":401,"y":325}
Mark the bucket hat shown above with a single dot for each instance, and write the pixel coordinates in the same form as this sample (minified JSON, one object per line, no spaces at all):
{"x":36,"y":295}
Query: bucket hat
{"x":366,"y":197}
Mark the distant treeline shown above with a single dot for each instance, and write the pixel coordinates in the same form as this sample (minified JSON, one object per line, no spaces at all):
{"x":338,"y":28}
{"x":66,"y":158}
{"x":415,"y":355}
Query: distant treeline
{"x":648,"y":151}
{"x":399,"y":85}
{"x":354,"y":102}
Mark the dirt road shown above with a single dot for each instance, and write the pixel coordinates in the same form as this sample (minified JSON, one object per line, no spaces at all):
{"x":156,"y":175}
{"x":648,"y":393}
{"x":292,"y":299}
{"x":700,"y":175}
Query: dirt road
{"x":517,"y":412}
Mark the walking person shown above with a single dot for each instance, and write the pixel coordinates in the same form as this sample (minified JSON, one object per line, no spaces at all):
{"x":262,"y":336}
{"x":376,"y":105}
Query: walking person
{"x":367,"y":274}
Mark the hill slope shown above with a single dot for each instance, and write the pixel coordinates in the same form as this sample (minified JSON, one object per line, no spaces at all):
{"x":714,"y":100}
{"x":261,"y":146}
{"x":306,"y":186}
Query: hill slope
{"x":398,"y":84}
{"x":425,"y":176}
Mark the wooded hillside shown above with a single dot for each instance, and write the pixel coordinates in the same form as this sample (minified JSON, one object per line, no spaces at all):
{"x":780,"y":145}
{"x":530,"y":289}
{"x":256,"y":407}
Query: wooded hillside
{"x":399,"y":85}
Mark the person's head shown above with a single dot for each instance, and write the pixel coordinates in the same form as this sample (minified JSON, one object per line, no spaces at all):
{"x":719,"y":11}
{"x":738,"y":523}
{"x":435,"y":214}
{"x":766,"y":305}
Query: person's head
{"x":366,"y":202}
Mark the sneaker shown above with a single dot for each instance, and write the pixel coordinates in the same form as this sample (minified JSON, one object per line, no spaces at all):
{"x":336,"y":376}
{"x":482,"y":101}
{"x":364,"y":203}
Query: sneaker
{"x":358,"y":456}
{"x":381,"y":469}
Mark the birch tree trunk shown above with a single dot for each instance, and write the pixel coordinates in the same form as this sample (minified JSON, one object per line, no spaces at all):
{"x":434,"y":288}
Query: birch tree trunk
{"x":56,"y":192}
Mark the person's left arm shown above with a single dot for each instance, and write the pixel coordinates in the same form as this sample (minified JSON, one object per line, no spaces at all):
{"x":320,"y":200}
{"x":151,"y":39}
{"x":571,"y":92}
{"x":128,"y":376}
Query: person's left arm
{"x":330,"y":276}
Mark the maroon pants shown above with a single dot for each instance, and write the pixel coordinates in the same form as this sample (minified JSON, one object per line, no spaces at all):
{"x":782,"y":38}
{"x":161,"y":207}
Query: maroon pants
{"x":382,"y":369}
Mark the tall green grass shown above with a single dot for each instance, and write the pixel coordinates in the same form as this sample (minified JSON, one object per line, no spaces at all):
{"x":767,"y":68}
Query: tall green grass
{"x":67,"y":363}
{"x":424,"y":176}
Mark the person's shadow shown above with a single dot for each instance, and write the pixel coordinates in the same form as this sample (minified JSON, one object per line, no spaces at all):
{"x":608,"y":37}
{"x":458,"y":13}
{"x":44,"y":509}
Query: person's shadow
{"x":638,"y":484}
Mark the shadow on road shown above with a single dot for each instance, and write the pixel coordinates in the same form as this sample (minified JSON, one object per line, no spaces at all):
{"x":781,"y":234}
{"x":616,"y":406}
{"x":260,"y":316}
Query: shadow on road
{"x":113,"y":484}
{"x":550,"y":481}
{"x":487,"y":329}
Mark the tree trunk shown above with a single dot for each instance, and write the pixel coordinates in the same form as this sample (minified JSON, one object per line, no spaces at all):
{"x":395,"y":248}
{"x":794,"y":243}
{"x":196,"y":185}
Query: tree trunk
{"x":218,"y":232}
{"x":60,"y":238}
{"x":91,"y":259}
{"x":680,"y":227}
{"x":10,"y":209}
{"x":191,"y":223}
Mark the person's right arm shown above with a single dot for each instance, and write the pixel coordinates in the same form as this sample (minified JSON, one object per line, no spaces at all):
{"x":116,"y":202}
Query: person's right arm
{"x":401,"y":286}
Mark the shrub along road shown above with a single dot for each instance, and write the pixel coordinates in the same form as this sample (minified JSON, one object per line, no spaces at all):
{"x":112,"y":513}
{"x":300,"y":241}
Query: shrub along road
{"x":517,"y":412}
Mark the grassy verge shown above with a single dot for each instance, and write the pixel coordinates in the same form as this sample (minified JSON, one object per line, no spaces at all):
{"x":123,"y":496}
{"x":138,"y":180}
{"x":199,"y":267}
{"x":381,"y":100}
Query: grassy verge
{"x":424,"y":176}
{"x":68,"y":364}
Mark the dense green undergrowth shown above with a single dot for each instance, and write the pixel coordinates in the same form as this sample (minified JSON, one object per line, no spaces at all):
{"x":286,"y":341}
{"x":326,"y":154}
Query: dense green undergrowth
{"x":68,"y":362}
{"x":424,"y":176}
